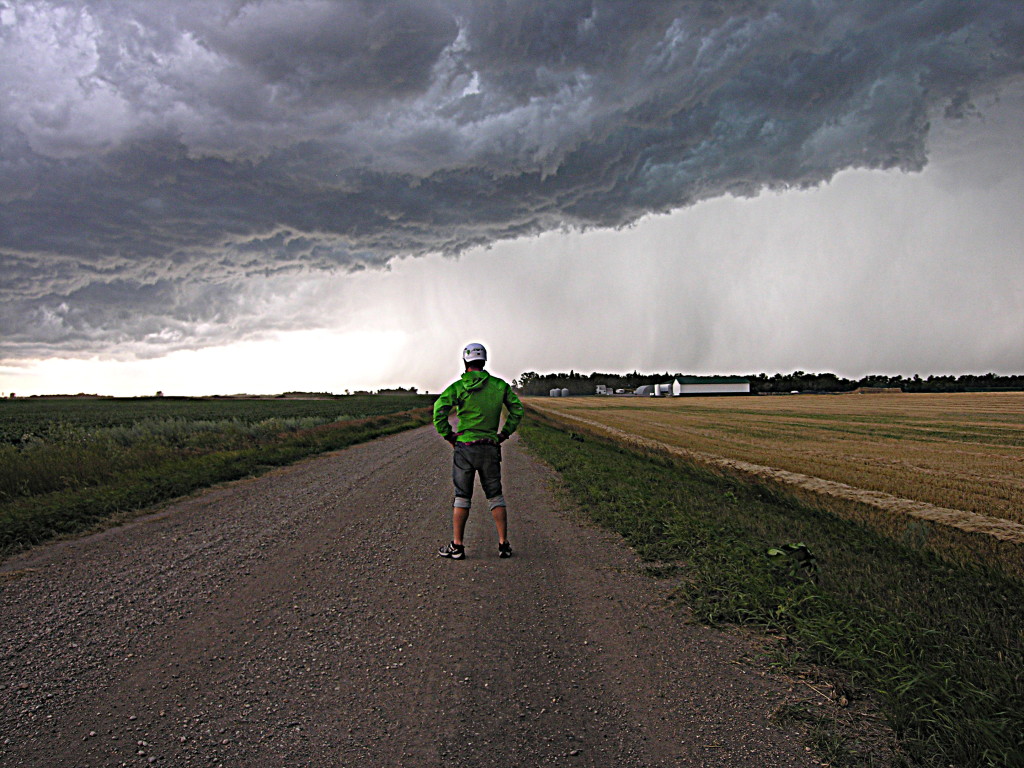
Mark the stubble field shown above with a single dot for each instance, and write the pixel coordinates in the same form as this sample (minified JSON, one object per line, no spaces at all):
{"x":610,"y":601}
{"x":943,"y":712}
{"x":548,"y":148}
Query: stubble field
{"x":960,"y":451}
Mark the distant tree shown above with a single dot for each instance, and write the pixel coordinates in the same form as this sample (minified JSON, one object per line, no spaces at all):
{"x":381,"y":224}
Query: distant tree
{"x":398,"y":391}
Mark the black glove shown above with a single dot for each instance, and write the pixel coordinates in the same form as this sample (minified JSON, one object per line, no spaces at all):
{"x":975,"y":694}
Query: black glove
{"x":502,"y":437}
{"x":451,"y":439}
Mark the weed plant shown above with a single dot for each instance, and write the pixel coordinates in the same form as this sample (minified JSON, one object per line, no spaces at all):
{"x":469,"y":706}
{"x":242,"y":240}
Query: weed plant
{"x":940,"y":645}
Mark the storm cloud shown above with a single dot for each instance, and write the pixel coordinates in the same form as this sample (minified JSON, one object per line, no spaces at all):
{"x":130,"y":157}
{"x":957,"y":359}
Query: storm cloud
{"x":159,"y":159}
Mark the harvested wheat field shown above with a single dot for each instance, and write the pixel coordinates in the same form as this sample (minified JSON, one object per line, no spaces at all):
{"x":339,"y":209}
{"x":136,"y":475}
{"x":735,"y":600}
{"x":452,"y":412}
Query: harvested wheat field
{"x":930,"y":455}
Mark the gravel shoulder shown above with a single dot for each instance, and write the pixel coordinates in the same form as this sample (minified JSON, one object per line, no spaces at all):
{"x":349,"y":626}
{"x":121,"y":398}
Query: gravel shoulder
{"x":302,"y":618}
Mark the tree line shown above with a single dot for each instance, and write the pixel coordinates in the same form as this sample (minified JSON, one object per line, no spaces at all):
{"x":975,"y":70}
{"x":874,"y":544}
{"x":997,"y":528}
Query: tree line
{"x":533,"y":383}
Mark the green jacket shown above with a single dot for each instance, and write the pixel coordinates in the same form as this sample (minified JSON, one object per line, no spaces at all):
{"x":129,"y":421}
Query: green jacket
{"x":477,"y":399}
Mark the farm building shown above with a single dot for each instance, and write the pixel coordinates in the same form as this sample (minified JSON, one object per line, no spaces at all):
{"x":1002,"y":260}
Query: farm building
{"x":710,"y":385}
{"x":654,"y":390}
{"x":696,"y":385}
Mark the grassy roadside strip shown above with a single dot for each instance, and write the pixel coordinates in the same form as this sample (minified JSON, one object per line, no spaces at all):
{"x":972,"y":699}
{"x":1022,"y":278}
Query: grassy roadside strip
{"x":30,"y":521}
{"x":940,"y":645}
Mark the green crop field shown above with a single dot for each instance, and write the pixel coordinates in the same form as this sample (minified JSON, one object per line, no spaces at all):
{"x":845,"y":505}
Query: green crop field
{"x":69,"y":464}
{"x":27,"y":417}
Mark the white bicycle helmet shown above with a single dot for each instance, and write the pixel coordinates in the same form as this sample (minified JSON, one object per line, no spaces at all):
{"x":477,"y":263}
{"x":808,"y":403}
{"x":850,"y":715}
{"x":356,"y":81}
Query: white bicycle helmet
{"x":474,"y":352}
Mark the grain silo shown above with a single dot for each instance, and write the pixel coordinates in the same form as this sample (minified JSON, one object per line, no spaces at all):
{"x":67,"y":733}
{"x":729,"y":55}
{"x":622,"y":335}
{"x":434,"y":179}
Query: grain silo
{"x":565,"y":393}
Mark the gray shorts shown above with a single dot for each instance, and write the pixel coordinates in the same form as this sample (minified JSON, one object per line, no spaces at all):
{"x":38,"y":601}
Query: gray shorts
{"x":467,"y":461}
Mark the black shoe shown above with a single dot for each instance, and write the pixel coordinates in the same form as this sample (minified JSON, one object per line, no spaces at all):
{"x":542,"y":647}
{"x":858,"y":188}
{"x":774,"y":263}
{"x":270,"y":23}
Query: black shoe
{"x":452,"y":550}
{"x":505,"y":550}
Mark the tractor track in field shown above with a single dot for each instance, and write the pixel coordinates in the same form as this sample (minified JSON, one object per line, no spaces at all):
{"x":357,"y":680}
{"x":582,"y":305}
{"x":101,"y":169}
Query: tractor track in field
{"x":302,"y":618}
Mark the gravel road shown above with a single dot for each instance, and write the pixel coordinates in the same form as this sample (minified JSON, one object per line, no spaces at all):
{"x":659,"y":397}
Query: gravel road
{"x":302,"y":618}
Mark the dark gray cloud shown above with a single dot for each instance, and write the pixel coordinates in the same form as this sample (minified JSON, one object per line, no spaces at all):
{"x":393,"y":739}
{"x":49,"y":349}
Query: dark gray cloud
{"x":157,"y":157}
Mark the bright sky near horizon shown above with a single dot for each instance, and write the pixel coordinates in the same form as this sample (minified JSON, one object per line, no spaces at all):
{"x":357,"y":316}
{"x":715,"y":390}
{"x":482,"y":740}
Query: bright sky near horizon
{"x":287,"y":195}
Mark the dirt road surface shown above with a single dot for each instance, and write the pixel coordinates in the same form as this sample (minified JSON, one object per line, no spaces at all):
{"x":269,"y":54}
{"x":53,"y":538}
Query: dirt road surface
{"x":303,"y":619}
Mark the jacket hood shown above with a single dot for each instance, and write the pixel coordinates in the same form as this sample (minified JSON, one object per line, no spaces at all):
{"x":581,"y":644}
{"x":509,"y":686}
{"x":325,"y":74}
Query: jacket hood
{"x":474,"y":380}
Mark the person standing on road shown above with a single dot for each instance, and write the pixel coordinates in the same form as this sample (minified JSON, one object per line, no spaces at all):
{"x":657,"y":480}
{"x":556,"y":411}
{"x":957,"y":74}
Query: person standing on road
{"x":477,"y":398}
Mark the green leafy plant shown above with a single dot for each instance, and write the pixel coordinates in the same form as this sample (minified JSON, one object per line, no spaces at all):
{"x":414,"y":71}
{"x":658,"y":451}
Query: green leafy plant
{"x":796,"y":558}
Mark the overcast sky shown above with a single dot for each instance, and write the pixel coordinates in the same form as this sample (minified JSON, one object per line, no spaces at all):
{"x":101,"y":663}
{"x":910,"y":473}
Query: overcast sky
{"x":227,"y":196}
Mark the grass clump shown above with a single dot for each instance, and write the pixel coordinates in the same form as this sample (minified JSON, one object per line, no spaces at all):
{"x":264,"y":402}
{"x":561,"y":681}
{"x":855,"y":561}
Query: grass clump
{"x":940,"y":645}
